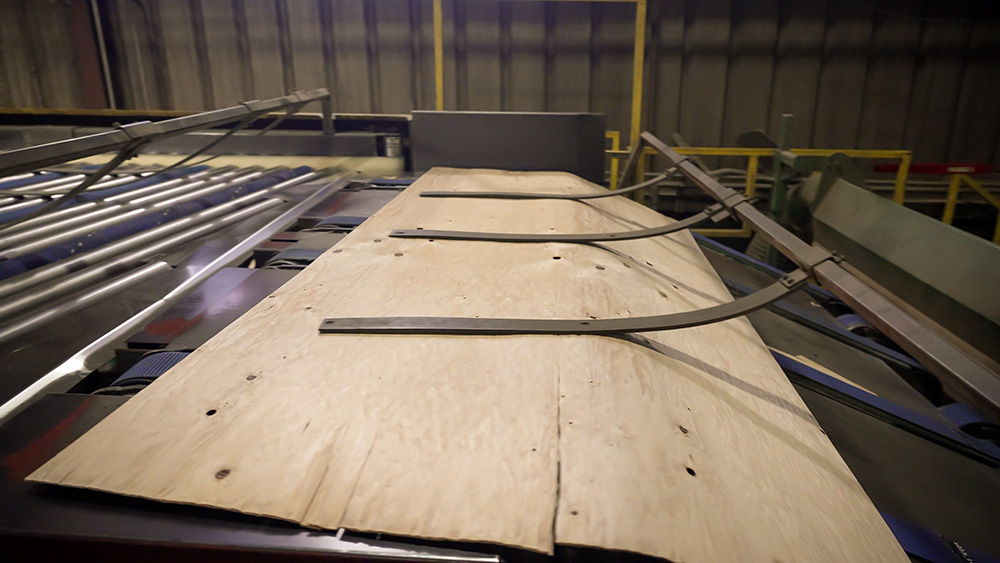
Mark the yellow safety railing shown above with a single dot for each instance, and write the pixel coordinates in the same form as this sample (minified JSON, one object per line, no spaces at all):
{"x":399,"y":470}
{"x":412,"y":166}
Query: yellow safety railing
{"x":955,"y":186}
{"x":616,"y":145}
{"x":753,"y":158}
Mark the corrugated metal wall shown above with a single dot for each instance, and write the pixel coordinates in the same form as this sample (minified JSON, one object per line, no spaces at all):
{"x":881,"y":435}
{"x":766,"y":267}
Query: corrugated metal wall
{"x":852,"y":75}
{"x":48,"y":57}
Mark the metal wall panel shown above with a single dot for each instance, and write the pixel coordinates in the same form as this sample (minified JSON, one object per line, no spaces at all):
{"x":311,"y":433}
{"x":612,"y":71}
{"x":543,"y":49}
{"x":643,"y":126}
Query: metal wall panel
{"x":853,"y":74}
{"x":43,"y":56}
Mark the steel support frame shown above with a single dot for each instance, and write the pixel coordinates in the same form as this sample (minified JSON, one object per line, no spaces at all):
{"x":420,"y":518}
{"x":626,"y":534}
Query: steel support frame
{"x":960,"y":375}
{"x":99,"y":351}
{"x":49,"y":154}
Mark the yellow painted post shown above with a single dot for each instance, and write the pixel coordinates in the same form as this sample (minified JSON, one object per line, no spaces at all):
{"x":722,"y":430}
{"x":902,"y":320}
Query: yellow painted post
{"x":637,"y":68}
{"x":949,"y":204}
{"x":899,"y":194}
{"x":616,"y":139}
{"x":438,"y":57}
{"x":751,"y":189}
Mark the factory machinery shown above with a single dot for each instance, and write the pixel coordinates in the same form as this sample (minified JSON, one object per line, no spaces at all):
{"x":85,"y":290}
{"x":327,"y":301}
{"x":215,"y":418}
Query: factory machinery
{"x":113,"y":270}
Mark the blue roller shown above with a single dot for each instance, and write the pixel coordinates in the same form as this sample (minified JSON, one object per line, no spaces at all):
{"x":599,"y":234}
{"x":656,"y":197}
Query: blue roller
{"x":970,"y":420}
{"x":150,"y":367}
{"x":93,"y":195}
{"x":345,"y":221}
{"x":294,"y":258}
{"x":252,"y":186}
{"x":56,"y":252}
{"x":35,"y":179}
{"x":11,"y":268}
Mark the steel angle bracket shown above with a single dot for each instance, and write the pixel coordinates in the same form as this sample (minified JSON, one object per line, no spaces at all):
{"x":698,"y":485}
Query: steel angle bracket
{"x":573,"y":197}
{"x":607,"y":327}
{"x":714,"y":212}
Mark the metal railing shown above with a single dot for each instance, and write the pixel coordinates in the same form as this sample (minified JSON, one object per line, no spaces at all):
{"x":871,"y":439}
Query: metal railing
{"x":753,"y":160}
{"x":955,"y":186}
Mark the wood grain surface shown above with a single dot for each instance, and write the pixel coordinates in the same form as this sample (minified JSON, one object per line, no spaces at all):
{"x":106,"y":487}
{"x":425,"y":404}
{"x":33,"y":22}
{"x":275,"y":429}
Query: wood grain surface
{"x":689,"y":445}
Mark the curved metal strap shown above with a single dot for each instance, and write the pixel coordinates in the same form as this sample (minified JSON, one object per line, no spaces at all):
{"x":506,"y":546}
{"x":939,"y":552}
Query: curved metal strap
{"x":477,"y":326}
{"x":708,"y":214}
{"x":530,"y":195}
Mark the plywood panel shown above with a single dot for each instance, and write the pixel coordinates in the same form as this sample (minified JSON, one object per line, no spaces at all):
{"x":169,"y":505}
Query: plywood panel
{"x":689,"y":445}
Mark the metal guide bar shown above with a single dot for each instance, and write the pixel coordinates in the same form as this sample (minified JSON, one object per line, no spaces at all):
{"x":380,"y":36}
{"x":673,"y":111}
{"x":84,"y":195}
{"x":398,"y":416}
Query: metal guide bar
{"x":961,"y":375}
{"x":803,"y":254}
{"x":711,"y":213}
{"x":485,"y":326}
{"x":100,"y":350}
{"x":137,"y":136}
{"x":49,"y":154}
{"x":533,"y":195}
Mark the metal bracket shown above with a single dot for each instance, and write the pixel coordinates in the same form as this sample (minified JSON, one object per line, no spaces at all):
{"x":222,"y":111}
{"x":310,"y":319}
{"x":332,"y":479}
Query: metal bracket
{"x":477,"y":326}
{"x":532,"y":195}
{"x":711,"y":212}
